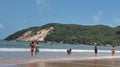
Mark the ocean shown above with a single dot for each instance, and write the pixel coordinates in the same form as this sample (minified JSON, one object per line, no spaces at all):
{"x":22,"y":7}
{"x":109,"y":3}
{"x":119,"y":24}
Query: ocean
{"x":12,"y":53}
{"x":24,"y":46}
{"x":12,"y":49}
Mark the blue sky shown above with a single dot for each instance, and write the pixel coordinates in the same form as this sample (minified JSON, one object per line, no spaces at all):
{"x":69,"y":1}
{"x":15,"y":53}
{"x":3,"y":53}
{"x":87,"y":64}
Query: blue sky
{"x":20,"y":14}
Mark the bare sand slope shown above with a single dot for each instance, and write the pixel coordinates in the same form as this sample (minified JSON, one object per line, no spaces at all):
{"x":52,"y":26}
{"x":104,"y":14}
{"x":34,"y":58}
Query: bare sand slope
{"x":38,"y":37}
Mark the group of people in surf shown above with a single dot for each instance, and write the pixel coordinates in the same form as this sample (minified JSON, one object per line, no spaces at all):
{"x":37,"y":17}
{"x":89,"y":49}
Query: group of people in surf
{"x":96,"y":50}
{"x":34,"y":48}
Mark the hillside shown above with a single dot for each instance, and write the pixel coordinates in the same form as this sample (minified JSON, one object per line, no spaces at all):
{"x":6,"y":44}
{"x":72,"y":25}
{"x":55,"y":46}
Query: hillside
{"x":69,"y":33}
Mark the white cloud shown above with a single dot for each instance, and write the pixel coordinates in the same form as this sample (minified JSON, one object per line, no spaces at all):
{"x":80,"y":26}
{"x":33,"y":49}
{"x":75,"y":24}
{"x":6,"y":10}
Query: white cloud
{"x":1,"y":26}
{"x":25,"y":21}
{"x":116,"y":19}
{"x":42,"y":5}
{"x":40,"y":2}
{"x":98,"y":16}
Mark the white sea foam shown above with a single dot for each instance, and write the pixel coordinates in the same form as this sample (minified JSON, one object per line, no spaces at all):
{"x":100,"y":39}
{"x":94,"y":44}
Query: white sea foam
{"x":83,"y":58}
{"x":51,"y":50}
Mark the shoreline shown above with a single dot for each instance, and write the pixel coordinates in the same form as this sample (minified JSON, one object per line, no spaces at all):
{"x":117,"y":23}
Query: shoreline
{"x":55,"y":42}
{"x":35,"y":59}
{"x":47,"y":56}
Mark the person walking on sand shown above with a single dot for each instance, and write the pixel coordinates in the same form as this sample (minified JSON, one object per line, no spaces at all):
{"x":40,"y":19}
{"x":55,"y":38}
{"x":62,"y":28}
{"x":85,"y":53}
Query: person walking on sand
{"x":113,"y":50}
{"x":32,"y":48}
{"x":95,"y":49}
{"x":37,"y":48}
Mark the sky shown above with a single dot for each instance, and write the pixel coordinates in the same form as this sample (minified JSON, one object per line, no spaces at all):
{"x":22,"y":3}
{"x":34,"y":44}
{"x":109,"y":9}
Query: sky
{"x":16,"y":15}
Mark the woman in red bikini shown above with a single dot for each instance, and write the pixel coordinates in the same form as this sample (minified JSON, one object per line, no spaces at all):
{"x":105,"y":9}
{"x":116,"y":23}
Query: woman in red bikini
{"x":32,"y":48}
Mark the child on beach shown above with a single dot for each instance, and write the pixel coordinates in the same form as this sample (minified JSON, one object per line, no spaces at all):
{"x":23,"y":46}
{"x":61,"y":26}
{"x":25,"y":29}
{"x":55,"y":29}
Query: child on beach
{"x":37,"y":48}
{"x":32,"y":47}
{"x":113,"y":50}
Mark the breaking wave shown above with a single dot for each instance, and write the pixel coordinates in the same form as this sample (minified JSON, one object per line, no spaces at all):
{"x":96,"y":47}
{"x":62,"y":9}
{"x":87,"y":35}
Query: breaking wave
{"x":50,"y":50}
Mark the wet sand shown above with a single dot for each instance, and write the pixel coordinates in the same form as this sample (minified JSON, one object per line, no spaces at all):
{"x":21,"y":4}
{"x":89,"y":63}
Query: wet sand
{"x":82,"y":63}
{"x":63,"y":60}
{"x":87,"y":63}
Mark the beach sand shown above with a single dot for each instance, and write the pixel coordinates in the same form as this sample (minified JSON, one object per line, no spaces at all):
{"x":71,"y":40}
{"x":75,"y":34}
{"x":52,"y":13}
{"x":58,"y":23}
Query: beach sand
{"x":87,"y":63}
{"x":80,"y":63}
{"x":85,"y":59}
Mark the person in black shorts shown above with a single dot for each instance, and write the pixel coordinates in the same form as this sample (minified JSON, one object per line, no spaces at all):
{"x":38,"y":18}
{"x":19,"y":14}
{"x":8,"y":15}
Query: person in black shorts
{"x":95,"y":49}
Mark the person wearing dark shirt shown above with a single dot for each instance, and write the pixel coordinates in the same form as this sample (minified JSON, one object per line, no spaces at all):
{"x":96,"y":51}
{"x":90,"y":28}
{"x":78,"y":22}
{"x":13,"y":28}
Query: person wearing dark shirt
{"x":95,"y":50}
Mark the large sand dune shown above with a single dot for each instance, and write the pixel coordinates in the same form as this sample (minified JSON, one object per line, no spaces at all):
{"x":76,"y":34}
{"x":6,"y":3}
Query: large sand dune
{"x":38,"y":37}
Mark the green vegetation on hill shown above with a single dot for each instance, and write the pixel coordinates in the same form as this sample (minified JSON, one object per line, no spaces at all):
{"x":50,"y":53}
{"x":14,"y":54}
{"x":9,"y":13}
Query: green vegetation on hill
{"x":21,"y":32}
{"x":73,"y":33}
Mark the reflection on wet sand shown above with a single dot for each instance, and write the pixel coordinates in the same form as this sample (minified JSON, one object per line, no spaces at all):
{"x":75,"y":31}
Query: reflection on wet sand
{"x":38,"y":64}
{"x":95,"y":63}
{"x":32,"y":65}
{"x":113,"y":63}
{"x":84,"y":63}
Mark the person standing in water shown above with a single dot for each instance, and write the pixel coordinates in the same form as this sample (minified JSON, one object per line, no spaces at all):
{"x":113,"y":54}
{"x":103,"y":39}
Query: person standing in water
{"x":69,"y":51}
{"x":32,"y":48}
{"x":95,"y":49}
{"x":113,"y":50}
{"x":37,"y":48}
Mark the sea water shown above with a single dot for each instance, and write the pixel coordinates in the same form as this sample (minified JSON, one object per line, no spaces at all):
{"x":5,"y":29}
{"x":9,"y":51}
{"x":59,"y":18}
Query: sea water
{"x":12,"y":49}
